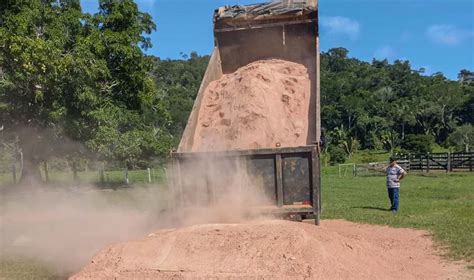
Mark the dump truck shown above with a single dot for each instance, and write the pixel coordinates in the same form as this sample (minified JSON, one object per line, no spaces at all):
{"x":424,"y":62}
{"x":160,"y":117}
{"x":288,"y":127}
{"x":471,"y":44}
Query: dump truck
{"x":289,"y":177}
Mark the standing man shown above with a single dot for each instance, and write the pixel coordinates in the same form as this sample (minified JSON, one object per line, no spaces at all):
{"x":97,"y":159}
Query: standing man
{"x":394,"y":175}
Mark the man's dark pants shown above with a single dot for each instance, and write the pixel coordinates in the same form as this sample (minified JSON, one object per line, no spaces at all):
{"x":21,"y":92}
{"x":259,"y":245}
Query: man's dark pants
{"x":393,"y":195}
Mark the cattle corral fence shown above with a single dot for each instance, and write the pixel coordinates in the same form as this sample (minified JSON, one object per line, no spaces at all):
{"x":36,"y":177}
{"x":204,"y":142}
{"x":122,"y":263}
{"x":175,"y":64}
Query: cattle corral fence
{"x":448,"y":162}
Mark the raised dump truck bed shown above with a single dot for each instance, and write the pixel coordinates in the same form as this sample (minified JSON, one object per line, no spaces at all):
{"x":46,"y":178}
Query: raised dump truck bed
{"x":244,"y":34}
{"x":286,"y":30}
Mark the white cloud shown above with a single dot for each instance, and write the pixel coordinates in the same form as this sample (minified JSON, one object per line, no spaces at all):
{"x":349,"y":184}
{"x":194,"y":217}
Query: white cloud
{"x":341,"y":26}
{"x":448,"y":34}
{"x":384,"y":52}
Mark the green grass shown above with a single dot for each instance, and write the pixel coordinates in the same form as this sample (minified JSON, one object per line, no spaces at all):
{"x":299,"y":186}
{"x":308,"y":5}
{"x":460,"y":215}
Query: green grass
{"x":139,"y":197}
{"x":441,"y":203}
{"x":15,"y":268}
{"x":6,"y":178}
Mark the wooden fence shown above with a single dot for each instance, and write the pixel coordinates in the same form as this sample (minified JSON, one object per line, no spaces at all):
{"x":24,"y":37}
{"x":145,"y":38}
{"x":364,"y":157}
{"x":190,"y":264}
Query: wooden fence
{"x":437,"y":161}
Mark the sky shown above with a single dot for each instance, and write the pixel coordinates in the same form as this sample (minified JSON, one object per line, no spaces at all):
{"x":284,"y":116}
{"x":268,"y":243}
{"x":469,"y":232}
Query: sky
{"x":437,"y":35}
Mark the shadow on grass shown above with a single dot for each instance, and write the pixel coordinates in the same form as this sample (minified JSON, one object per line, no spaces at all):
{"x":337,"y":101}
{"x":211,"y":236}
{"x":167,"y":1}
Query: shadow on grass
{"x":371,"y":208}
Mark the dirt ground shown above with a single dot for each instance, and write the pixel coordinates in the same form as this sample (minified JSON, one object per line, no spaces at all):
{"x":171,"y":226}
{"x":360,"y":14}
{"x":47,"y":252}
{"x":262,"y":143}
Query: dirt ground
{"x":269,"y":249}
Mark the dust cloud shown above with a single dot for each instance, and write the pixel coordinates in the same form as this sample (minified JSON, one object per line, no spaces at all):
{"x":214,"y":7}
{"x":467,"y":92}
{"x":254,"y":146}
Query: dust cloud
{"x":64,"y":228}
{"x":218,"y":188}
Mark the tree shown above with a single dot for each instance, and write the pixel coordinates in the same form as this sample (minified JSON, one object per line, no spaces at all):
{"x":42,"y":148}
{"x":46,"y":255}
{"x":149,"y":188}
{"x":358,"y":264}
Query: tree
{"x":40,"y":49}
{"x":418,"y":143}
{"x":131,"y":120}
{"x":178,"y":83}
{"x":462,"y":138}
{"x":337,"y":155}
{"x":465,"y":111}
{"x":68,"y":75}
{"x":465,"y":76}
{"x":379,"y":102}
{"x":389,"y":140}
{"x":341,"y":139}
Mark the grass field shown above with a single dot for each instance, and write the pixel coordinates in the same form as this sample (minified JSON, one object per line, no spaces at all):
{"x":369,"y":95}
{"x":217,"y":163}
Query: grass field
{"x":15,"y":268}
{"x":442,"y":204}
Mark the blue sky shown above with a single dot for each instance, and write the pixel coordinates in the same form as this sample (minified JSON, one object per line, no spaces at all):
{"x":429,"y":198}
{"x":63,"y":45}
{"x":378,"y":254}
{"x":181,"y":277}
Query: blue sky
{"x":437,"y":35}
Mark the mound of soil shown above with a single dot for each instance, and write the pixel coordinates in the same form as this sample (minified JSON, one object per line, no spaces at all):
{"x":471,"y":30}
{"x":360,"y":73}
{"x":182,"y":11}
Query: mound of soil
{"x":273,"y":250}
{"x":261,"y":105}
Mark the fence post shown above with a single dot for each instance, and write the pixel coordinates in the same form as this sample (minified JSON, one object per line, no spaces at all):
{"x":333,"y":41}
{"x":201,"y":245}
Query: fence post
{"x":14,"y":173}
{"x":409,"y":162}
{"x":470,"y":162}
{"x":21,"y":163}
{"x":354,"y":170}
{"x":448,"y":163}
{"x":166,"y":174}
{"x":339,"y":167}
{"x":427,"y":162}
{"x":74,"y":170}
{"x":101,"y":175}
{"x":149,"y":175}
{"x":46,"y":175}
{"x":126,"y":174}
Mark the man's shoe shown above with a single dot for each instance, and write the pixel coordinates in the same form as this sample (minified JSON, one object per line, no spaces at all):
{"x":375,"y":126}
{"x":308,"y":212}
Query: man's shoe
{"x":394,"y":211}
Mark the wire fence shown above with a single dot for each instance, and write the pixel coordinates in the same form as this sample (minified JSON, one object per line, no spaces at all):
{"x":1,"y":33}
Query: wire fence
{"x":362,"y":169}
{"x":83,"y":171}
{"x":86,"y":171}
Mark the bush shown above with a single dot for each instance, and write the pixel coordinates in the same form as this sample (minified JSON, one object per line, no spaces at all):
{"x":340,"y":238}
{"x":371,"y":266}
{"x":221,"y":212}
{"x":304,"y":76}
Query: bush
{"x":399,"y":151}
{"x":337,"y":154}
{"x":366,"y":156}
{"x":418,"y":143}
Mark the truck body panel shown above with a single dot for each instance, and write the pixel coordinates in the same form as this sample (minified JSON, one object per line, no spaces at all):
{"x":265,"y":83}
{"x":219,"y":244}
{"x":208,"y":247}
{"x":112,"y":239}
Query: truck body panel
{"x":287,"y":178}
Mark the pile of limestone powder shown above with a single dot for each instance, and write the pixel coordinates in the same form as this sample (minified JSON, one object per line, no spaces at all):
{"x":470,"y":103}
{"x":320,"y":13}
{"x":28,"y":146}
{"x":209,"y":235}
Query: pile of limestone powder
{"x":264,"y":104}
{"x":274,"y":250}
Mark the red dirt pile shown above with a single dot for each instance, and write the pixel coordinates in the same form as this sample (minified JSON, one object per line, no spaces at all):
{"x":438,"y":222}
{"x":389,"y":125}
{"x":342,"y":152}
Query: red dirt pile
{"x":273,"y":250}
{"x":258,"y":106}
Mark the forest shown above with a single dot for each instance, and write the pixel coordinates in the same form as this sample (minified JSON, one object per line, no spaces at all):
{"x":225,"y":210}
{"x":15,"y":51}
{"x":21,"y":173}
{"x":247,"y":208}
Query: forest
{"x":376,"y":106}
{"x":79,"y":85}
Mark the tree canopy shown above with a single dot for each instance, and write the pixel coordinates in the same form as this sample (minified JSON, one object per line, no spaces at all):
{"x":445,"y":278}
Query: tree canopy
{"x":380,"y":103}
{"x":69,"y":77}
